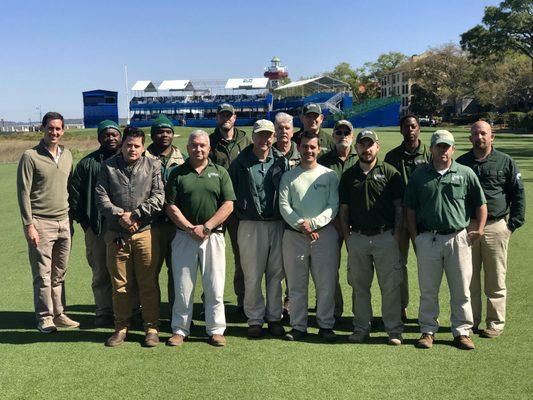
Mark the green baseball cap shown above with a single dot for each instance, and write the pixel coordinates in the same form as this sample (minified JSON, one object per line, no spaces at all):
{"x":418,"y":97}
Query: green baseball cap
{"x":367,"y":134}
{"x":343,"y":122}
{"x":263,"y":125}
{"x":160,"y":122}
{"x":442,"y":136}
{"x":225,"y":107}
{"x":311,"y":108}
{"x":107,"y":124}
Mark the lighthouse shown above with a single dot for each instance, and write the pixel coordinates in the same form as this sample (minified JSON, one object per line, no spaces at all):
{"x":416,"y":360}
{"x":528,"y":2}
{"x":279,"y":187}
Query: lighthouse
{"x":275,"y":73}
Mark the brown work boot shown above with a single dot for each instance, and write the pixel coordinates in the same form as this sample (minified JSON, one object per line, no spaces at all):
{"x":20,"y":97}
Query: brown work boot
{"x":176,"y":340}
{"x":463,"y":342}
{"x":275,"y":328}
{"x":425,"y":341}
{"x":117,"y":338}
{"x":62,"y":321}
{"x":46,"y":326}
{"x":151,"y":339}
{"x":491,"y":333}
{"x":217,"y":340}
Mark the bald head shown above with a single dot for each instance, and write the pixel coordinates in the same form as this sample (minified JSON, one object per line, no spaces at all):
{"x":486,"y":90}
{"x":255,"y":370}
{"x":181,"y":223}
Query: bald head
{"x":481,"y":136}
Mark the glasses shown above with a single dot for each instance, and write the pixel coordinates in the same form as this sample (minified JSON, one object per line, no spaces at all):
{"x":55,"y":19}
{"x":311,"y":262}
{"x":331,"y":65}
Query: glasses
{"x":343,"y":132}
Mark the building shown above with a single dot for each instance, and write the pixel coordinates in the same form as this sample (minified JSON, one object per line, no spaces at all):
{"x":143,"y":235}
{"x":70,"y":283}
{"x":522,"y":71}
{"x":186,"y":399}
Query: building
{"x":99,"y":105}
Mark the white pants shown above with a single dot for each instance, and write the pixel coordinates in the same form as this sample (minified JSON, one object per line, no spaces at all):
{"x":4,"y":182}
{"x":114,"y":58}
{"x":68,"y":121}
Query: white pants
{"x":187,"y":255}
{"x":260,"y":249}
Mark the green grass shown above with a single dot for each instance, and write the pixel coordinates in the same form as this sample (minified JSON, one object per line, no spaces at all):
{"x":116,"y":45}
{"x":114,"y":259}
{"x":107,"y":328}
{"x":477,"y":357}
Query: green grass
{"x":76,"y":365}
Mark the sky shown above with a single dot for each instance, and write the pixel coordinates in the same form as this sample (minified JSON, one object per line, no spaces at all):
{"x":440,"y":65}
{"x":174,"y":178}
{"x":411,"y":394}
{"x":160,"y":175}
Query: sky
{"x":52,"y":51}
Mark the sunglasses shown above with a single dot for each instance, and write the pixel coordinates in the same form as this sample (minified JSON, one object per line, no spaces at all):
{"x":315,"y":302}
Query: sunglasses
{"x":343,"y":132}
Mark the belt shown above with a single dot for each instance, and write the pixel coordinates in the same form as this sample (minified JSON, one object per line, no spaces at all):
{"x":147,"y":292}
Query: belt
{"x":372,"y":232}
{"x":441,"y":232}
{"x":493,"y":218}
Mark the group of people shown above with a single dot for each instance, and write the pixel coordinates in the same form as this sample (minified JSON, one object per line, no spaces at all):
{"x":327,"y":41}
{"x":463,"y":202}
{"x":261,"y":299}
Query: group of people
{"x":288,"y":207}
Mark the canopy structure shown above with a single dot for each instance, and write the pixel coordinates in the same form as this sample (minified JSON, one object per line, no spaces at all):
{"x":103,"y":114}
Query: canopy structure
{"x":247,"y":83}
{"x":176,"y":85}
{"x":144,"y":86}
{"x":313,"y":85}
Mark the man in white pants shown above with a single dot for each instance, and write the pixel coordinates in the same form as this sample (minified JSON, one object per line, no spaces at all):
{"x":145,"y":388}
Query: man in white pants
{"x":199,"y":198}
{"x":309,"y":201}
{"x":255,"y":174}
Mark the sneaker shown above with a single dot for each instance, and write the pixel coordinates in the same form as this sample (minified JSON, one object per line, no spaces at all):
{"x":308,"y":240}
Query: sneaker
{"x":358,"y":337}
{"x":463,"y":342}
{"x":117,"y":338}
{"x":275,"y":328}
{"x":255,"y":331}
{"x":491,"y":333}
{"x":63,"y":321}
{"x":295,"y":334}
{"x":395,"y":339}
{"x":46,"y":326}
{"x":176,"y":340}
{"x":217,"y":340}
{"x":425,"y":341}
{"x":327,"y":334}
{"x":103,"y":321}
{"x":151,"y":339}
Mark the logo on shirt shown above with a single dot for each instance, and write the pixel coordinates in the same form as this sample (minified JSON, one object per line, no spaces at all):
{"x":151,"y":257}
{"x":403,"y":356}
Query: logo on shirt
{"x":377,"y":177}
{"x":518,"y":176}
{"x":213,"y":175}
{"x":458,"y":179}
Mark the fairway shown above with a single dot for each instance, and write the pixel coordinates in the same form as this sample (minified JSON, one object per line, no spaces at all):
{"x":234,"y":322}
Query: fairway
{"x":74,"y":364}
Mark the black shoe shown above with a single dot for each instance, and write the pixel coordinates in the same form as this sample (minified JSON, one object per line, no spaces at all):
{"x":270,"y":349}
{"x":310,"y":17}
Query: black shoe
{"x":295,"y":334}
{"x":328,"y":335}
{"x":104,"y":321}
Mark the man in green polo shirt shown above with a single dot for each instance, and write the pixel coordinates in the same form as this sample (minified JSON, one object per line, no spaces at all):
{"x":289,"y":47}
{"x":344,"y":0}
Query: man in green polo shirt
{"x":226,"y":143}
{"x":341,"y":158}
{"x":502,"y":184}
{"x":163,"y":230}
{"x":199,"y":198}
{"x":312,"y":118}
{"x":410,"y":154}
{"x":371,"y":218}
{"x":438,"y":199}
{"x":283,"y":124}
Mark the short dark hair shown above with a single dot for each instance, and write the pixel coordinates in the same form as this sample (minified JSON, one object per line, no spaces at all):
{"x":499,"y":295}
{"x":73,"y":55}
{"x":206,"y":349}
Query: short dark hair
{"x":406,"y":117}
{"x":308,"y":135}
{"x":131,"y":131}
{"x":50,"y":115}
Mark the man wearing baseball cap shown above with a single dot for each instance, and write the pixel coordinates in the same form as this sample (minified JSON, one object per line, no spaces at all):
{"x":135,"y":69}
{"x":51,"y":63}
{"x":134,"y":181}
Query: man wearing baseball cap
{"x":439,"y":198}
{"x":226,"y":143}
{"x":255,"y":174}
{"x":371,"y":213}
{"x":312,"y":119}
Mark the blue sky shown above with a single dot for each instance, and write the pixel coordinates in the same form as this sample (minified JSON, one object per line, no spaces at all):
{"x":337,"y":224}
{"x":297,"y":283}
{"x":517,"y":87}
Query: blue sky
{"x":53,"y":50}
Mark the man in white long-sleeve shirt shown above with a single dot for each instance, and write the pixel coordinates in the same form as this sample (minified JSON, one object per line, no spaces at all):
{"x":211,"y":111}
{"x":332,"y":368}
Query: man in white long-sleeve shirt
{"x":309,"y":201}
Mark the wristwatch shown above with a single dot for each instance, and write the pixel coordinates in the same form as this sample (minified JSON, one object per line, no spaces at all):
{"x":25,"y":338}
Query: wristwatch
{"x":206,"y":230}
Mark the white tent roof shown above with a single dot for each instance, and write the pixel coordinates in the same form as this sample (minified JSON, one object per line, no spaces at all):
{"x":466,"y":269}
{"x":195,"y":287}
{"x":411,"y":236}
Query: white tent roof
{"x":176,"y":85}
{"x":318,"y":82}
{"x":144,"y":86}
{"x":247,"y":83}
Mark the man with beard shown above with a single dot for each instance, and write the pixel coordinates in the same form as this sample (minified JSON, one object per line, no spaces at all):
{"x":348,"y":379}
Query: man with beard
{"x":502,"y":184}
{"x":163,"y":230}
{"x":312,"y":119}
{"x":226,"y":143}
{"x":439,"y":199}
{"x":309,"y":201}
{"x":371,"y":218}
{"x":82,"y":199}
{"x":410,"y":154}
{"x":340,"y":159}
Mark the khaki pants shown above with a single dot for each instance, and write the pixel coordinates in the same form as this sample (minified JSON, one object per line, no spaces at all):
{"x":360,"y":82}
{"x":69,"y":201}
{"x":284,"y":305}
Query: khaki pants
{"x":133,"y":263}
{"x":48,"y":266}
{"x":379,"y":252}
{"x":162,"y":235}
{"x":238,"y":277}
{"x":210,"y":255}
{"x":260,"y":248}
{"x":452,"y":255}
{"x":301,"y":256}
{"x":490,"y":253}
{"x":95,"y":251}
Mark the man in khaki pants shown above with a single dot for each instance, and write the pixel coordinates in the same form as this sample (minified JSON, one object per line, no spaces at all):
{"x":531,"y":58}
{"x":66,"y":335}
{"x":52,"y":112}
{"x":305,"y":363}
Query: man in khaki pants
{"x":502,"y":184}
{"x":42,"y":177}
{"x":439,"y":198}
{"x":371,"y":218}
{"x":129,"y":192}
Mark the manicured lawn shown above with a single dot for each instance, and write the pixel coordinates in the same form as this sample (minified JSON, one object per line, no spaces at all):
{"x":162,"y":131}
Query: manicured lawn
{"x":76,"y":365}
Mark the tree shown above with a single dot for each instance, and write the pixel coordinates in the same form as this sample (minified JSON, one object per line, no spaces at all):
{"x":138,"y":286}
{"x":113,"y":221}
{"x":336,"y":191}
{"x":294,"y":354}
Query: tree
{"x":506,"y":27}
{"x":424,"y":102}
{"x":361,"y":86}
{"x":385,"y":63}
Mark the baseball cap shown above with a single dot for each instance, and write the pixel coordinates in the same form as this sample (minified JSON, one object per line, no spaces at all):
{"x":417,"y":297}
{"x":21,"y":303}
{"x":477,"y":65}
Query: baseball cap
{"x":263,"y":125}
{"x":225,"y":107}
{"x":366,"y":134}
{"x":442,"y":136}
{"x":312,"y":108}
{"x":343,"y":122}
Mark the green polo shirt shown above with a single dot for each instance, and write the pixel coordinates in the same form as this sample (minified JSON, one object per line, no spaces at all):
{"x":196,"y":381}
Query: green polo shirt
{"x":370,"y":196}
{"x":406,"y":162}
{"x":262,"y":181}
{"x":501,"y":181}
{"x":198,"y":196}
{"x":443,"y":202}
{"x":332,"y":161}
